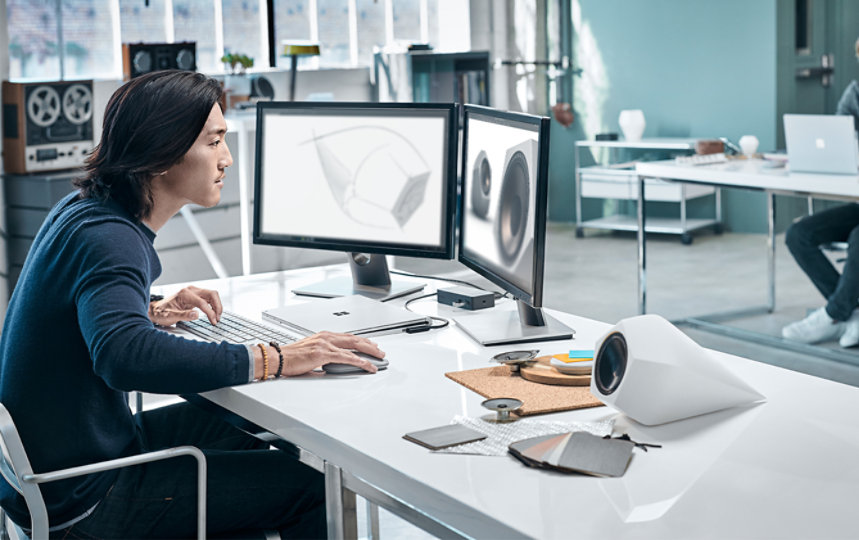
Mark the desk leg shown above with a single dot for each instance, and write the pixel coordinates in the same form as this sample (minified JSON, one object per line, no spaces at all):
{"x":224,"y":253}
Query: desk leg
{"x":339,"y":506}
{"x":207,"y":248}
{"x":642,"y":250}
{"x":771,"y":251}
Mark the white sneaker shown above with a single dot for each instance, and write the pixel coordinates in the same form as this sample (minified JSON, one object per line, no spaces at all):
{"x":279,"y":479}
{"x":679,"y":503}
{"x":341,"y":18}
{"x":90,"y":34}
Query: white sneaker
{"x":817,"y":327}
{"x":850,"y":338}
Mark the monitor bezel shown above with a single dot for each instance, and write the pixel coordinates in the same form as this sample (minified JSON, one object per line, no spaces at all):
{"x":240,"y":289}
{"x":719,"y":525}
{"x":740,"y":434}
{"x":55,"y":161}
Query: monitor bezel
{"x":447,"y":245}
{"x":534,"y":297}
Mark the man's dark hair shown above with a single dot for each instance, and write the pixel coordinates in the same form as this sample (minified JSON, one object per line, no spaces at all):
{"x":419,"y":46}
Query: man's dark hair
{"x":150,"y":123}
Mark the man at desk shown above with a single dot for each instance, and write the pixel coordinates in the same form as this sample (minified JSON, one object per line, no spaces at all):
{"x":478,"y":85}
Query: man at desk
{"x":80,"y":332}
{"x":839,"y":318}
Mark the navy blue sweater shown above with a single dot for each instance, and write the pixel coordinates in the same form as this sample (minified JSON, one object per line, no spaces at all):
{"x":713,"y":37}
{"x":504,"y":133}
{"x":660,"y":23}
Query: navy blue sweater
{"x":77,"y":337}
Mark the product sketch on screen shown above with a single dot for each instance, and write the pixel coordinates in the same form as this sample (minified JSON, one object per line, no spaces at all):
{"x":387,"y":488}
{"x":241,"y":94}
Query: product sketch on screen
{"x":381,"y":182}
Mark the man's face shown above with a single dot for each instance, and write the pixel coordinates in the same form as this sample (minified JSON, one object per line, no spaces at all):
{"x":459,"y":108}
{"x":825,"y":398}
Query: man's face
{"x":199,"y":177}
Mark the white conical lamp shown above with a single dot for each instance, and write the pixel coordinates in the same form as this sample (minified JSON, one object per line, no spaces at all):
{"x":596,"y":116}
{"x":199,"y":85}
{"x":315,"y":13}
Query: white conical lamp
{"x":649,"y":370}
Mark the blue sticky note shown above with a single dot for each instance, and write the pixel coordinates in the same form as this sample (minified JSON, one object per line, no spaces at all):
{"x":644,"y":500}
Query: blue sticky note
{"x":582,"y":354}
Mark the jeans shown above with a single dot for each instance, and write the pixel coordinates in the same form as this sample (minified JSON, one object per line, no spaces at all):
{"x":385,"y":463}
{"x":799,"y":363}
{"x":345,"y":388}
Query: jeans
{"x":250,"y":487}
{"x":803,"y":239}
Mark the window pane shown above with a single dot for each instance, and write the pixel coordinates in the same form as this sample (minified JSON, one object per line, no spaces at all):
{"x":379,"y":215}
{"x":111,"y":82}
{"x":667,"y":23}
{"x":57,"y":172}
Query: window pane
{"x":88,"y":37}
{"x":333,"y":33}
{"x":371,"y":29}
{"x":291,"y":22}
{"x":194,"y":20}
{"x":407,"y":20}
{"x":32,"y":28}
{"x":141,"y":22}
{"x":243,"y":29}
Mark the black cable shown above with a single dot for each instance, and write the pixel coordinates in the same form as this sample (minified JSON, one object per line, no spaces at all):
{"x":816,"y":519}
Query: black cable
{"x":444,"y":322}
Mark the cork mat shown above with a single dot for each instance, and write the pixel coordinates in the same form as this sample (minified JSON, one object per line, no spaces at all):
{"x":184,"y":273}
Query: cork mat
{"x":536,"y":398}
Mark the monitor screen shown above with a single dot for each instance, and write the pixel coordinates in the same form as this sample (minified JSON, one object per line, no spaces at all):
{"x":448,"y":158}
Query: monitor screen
{"x":504,"y":184}
{"x":359,"y":177}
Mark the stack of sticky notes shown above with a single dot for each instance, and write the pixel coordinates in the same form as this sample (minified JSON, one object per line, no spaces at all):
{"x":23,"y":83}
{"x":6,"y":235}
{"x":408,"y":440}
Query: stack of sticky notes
{"x":575,"y":363}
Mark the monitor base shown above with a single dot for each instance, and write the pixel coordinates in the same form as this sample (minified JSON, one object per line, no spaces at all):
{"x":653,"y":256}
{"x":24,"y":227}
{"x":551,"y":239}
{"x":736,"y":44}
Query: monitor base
{"x":345,"y":286}
{"x":504,"y":327}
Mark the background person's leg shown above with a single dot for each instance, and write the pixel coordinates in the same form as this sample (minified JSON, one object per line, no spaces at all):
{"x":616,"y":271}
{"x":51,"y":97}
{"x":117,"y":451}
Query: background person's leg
{"x":804,"y":237}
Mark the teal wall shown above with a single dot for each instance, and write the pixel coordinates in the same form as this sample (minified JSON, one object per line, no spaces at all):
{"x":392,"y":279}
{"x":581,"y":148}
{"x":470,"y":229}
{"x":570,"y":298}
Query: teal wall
{"x":696,"y":69}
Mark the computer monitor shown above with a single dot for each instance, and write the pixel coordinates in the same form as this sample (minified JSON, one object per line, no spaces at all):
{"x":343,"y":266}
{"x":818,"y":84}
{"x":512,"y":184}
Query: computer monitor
{"x":369,"y":179}
{"x":503,"y":229}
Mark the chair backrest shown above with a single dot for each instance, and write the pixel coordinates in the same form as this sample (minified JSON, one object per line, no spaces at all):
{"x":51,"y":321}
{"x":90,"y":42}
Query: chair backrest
{"x":15,"y":465}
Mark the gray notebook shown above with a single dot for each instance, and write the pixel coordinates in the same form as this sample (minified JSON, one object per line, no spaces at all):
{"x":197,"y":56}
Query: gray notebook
{"x":349,"y":314}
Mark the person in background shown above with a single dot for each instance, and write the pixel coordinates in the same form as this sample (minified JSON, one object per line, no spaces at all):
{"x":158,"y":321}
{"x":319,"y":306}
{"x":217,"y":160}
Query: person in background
{"x":81,"y":331}
{"x":839,"y":317}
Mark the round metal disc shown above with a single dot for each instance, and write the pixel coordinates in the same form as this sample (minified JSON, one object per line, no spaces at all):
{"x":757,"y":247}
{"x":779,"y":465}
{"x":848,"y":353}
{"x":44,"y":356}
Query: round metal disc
{"x":502,"y":404}
{"x":516,"y":357}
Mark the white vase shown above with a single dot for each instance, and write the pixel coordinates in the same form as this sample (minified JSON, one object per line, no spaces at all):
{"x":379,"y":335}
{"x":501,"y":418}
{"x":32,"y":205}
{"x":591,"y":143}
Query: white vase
{"x":749,"y":145}
{"x":631,"y":124}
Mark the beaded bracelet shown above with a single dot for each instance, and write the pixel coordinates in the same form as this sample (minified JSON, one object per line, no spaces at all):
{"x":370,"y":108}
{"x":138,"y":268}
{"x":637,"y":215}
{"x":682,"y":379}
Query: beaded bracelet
{"x":264,"y":361}
{"x":276,"y":346}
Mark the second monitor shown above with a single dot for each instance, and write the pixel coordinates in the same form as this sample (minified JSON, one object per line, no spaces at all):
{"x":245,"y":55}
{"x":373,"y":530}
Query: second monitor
{"x":370,"y":179}
{"x":503,"y":231}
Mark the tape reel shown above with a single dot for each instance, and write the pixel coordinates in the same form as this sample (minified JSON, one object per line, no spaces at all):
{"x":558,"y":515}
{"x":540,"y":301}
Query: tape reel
{"x":77,"y":104}
{"x":43,"y":106}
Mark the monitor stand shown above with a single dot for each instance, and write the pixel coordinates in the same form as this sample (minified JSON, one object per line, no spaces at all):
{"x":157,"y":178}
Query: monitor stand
{"x":370,"y":278}
{"x":525,"y":324}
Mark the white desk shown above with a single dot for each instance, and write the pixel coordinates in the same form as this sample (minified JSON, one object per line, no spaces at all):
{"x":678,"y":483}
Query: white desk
{"x":786,"y":468}
{"x":746,"y":174}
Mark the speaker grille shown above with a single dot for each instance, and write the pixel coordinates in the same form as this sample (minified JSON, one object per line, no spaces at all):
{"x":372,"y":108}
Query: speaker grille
{"x":610,"y":363}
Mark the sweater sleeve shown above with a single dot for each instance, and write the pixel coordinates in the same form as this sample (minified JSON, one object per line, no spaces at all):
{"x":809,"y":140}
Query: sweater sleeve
{"x":849,"y":103}
{"x":127,"y":350}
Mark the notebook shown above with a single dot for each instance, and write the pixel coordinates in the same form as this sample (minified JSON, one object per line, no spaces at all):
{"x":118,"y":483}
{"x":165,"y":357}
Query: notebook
{"x":354,"y":314}
{"x":820,"y":143}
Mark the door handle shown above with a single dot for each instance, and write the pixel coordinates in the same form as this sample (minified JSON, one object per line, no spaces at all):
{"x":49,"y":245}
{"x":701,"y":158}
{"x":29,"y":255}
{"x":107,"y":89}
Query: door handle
{"x":824,"y":71}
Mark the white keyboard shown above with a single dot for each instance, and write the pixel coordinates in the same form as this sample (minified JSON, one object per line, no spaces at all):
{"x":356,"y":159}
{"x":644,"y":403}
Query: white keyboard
{"x":701,"y":159}
{"x":237,"y":329}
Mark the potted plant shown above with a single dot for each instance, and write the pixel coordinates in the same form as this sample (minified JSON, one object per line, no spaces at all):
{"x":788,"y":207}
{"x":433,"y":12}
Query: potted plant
{"x":236,"y":83}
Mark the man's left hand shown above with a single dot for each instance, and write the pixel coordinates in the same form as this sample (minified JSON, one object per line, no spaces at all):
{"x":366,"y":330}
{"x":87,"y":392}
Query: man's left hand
{"x":181,"y":306}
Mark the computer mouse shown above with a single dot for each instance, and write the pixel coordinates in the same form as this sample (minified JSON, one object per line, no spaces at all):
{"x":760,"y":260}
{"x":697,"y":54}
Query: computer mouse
{"x":380,"y":363}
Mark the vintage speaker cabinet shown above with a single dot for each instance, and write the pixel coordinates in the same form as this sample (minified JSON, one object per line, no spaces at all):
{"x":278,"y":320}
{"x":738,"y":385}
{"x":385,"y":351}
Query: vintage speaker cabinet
{"x":141,"y":58}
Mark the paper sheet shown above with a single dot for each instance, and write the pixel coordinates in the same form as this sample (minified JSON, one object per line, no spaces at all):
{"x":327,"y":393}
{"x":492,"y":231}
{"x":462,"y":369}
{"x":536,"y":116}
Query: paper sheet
{"x":499,"y":436}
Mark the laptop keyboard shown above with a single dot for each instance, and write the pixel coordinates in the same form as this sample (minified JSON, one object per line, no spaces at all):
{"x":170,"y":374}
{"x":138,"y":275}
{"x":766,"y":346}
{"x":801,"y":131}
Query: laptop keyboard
{"x":237,"y":329}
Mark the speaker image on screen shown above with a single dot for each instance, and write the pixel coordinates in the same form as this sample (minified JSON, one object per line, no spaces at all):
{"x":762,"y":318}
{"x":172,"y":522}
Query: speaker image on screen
{"x":511,"y":221}
{"x":648,"y":369}
{"x":47,"y":126}
{"x":482,"y":173}
{"x":141,"y":58}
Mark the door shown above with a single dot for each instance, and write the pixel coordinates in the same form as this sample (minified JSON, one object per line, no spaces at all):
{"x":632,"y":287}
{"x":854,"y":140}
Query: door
{"x":816,"y":55}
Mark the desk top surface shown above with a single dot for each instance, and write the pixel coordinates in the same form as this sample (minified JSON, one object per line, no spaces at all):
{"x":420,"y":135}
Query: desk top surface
{"x":783,"y":468}
{"x":651,"y":143}
{"x":754,"y":174}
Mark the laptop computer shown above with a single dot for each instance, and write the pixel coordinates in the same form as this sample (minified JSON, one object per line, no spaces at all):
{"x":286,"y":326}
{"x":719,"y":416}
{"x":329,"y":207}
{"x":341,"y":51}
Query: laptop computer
{"x":821,"y":143}
{"x":354,"y":314}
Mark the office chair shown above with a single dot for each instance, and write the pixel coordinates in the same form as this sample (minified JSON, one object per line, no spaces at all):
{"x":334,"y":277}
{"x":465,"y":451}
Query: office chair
{"x":15,"y":468}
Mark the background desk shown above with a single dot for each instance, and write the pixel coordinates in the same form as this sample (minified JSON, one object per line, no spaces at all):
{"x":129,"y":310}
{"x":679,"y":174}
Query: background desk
{"x":746,"y":174}
{"x":784,"y":468}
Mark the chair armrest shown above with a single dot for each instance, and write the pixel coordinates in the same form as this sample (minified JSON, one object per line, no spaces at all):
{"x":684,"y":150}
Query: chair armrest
{"x":128,"y":461}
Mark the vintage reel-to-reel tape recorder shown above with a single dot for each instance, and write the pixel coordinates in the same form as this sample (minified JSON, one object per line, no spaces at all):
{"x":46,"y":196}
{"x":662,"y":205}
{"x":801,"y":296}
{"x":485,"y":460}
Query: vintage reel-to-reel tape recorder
{"x":47,"y":126}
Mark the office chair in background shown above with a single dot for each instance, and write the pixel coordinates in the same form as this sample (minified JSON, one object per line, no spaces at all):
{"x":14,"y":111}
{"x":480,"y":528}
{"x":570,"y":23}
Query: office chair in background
{"x":15,"y":468}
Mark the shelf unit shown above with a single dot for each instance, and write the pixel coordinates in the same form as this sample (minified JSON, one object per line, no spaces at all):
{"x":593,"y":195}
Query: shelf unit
{"x":614,"y":179}
{"x":427,"y":76}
